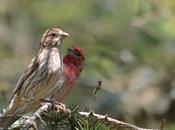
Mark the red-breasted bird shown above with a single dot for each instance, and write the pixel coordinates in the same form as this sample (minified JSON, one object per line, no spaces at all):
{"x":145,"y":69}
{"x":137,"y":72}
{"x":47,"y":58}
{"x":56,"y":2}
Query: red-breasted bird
{"x":73,"y":65}
{"x":39,"y":79}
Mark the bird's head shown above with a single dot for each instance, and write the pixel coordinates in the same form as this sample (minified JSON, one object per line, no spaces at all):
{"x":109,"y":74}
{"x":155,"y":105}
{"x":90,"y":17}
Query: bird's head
{"x":53,"y":37}
{"x":74,"y":56}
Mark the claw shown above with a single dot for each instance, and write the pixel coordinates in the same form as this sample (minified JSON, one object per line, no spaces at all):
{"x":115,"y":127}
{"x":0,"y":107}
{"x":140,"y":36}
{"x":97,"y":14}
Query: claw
{"x":52,"y":102}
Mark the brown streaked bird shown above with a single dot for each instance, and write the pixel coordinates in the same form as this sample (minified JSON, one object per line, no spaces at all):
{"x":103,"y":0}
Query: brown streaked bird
{"x":39,"y":79}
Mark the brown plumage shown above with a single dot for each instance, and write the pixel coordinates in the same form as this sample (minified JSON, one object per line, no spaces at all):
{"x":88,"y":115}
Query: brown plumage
{"x":38,"y":80}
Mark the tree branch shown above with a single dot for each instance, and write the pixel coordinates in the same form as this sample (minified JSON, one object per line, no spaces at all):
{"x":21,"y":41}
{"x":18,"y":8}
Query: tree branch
{"x":113,"y":122}
{"x":60,"y":108}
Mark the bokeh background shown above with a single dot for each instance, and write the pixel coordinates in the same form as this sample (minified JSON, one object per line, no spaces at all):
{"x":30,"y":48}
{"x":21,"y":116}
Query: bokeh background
{"x":129,"y":43}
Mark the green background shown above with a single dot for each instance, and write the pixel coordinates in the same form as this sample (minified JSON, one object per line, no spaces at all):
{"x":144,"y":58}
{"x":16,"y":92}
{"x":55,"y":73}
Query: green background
{"x":129,"y":43}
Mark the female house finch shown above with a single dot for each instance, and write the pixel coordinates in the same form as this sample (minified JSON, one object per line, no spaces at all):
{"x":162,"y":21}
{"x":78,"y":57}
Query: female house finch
{"x":73,"y":64}
{"x":39,"y":78}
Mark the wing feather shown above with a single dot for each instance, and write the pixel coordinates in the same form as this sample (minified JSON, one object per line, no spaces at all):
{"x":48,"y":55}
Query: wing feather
{"x":28,"y":71}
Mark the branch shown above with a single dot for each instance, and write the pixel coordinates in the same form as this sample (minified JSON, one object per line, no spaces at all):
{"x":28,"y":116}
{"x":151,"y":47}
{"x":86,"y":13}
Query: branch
{"x":60,"y":108}
{"x":113,"y":122}
{"x":46,"y":107}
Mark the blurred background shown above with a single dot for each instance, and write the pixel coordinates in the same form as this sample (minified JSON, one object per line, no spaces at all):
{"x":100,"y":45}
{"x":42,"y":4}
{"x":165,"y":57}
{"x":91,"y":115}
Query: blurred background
{"x":130,"y":44}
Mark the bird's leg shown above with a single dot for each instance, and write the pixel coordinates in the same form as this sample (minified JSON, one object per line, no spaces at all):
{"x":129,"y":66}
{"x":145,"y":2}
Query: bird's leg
{"x":54,"y":104}
{"x":51,"y":101}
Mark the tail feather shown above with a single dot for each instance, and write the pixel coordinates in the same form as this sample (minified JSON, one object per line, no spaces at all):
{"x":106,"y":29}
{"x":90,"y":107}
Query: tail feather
{"x":7,"y":121}
{"x":10,"y":116}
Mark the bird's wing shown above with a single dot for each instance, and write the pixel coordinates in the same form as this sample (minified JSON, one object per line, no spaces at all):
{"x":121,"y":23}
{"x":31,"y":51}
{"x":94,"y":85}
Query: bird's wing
{"x":58,"y":87}
{"x":28,"y":71}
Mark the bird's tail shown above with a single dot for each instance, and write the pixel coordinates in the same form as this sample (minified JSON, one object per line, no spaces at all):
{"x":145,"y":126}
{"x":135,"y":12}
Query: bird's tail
{"x":10,"y":116}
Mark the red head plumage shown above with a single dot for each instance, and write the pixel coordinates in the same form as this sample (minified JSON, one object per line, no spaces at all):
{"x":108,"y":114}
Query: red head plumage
{"x":74,"y":56}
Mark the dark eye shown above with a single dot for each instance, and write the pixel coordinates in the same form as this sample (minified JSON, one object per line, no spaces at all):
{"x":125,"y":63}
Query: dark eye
{"x":78,"y":54}
{"x":53,"y":34}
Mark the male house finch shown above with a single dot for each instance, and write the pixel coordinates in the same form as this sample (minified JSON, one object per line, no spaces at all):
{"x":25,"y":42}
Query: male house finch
{"x":73,"y":63}
{"x":39,"y":79}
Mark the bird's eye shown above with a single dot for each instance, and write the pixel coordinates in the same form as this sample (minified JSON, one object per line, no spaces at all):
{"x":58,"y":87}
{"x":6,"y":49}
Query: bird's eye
{"x":53,"y":34}
{"x":78,"y":54}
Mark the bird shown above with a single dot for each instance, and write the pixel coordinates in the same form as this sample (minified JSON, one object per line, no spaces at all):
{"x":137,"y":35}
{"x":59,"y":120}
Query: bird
{"x":39,"y":78}
{"x":73,"y":64}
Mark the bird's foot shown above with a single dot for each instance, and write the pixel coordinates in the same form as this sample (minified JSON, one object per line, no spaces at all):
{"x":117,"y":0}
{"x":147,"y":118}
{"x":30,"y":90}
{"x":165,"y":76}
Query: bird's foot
{"x":54,"y":105}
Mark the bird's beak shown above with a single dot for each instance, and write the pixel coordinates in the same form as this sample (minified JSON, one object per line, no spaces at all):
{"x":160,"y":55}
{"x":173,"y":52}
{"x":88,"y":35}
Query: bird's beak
{"x":65,"y":35}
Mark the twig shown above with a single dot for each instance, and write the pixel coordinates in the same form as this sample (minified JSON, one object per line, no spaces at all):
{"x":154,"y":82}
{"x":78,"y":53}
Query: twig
{"x":46,"y":107}
{"x":97,"y":88}
{"x":162,"y":125}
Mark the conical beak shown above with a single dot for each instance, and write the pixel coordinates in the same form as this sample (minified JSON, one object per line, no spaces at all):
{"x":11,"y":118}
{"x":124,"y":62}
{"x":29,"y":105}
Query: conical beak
{"x":64,"y":35}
